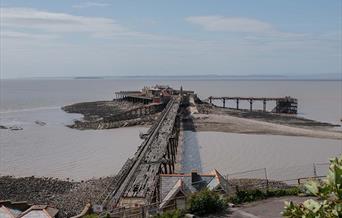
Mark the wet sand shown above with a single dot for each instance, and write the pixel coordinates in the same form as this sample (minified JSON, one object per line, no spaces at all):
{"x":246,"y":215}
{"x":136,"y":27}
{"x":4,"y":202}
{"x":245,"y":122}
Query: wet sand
{"x":231,"y":124}
{"x":211,"y":118}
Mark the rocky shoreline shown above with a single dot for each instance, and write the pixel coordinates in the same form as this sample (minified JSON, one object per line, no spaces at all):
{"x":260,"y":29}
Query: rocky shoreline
{"x":68,"y":196}
{"x":112,"y":114}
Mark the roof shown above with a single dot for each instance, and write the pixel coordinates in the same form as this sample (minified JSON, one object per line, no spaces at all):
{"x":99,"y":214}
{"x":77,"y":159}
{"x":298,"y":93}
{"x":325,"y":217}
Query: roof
{"x":6,"y":212}
{"x":177,"y":188}
{"x":212,"y":181}
{"x":12,"y":209}
{"x":39,"y":211}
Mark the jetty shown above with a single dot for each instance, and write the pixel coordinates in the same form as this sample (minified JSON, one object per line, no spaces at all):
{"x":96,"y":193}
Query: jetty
{"x":285,"y":105}
{"x":138,"y":183}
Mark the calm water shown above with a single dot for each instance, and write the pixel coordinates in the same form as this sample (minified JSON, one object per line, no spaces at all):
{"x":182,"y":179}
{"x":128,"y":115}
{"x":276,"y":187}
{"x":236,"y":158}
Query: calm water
{"x":55,"y":150}
{"x":284,"y":157}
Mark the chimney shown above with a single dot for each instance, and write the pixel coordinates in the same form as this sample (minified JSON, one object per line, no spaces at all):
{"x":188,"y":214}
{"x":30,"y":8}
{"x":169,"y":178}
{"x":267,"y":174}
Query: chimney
{"x":195,"y":178}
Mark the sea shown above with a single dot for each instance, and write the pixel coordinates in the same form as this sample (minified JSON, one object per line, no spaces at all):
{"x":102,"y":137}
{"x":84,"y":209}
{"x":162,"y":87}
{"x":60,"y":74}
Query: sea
{"x":46,"y":147}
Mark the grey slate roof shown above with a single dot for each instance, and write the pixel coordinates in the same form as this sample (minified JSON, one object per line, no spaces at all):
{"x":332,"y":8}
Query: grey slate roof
{"x":167,"y":182}
{"x":212,"y":181}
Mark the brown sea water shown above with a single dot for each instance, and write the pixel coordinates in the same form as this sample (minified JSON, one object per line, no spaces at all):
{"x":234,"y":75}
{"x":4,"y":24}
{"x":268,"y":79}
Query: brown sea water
{"x":55,"y":150}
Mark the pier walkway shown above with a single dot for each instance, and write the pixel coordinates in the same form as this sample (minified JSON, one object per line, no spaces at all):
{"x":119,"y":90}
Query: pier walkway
{"x":138,"y":182}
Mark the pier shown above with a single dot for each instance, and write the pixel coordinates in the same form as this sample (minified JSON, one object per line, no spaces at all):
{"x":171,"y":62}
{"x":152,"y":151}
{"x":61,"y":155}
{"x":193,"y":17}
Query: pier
{"x":286,"y":105}
{"x":138,"y":182}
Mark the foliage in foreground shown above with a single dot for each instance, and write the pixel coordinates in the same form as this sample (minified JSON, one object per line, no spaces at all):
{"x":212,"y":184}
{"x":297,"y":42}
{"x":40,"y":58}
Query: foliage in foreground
{"x":256,"y":194}
{"x":329,"y":193}
{"x":91,"y":216}
{"x":171,"y":214}
{"x":206,"y":202}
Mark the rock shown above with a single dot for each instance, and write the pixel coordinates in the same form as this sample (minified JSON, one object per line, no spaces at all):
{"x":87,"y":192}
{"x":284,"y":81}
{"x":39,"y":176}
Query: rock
{"x":15,"y":128}
{"x":3,"y":127}
{"x":41,"y":123}
{"x":69,"y":197}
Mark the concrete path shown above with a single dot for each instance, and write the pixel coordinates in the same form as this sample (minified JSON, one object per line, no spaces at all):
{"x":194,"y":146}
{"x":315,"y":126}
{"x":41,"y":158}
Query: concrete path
{"x":269,"y":208}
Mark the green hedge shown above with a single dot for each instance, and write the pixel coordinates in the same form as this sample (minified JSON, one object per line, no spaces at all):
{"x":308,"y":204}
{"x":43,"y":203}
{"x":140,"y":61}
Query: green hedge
{"x":170,"y":214}
{"x":254,"y":195}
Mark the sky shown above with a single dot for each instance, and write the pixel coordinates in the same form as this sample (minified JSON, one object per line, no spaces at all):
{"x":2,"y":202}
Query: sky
{"x":45,"y":38}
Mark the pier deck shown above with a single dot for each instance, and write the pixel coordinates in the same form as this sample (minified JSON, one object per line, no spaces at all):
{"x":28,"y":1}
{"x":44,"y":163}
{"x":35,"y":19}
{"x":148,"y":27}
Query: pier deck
{"x":156,"y":155}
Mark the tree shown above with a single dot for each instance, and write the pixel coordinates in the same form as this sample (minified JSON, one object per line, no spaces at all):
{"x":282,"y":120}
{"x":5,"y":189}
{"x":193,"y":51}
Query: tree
{"x":329,"y":194}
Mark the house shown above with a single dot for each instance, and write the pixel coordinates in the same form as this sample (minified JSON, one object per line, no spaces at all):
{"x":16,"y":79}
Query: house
{"x":175,"y":188}
{"x":10,"y":209}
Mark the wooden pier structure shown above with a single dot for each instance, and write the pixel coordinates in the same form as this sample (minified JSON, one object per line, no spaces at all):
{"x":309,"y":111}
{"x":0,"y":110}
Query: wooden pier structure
{"x":287,"y":105}
{"x":134,"y":96}
{"x":138,"y":179}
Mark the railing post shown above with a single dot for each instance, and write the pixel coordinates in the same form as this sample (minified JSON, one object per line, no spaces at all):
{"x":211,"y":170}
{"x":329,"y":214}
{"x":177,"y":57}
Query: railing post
{"x":227,"y":182}
{"x":266,"y":179}
{"x":314,"y":170}
{"x":142,"y":212}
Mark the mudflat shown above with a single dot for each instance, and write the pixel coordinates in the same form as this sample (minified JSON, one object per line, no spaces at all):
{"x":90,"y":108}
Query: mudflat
{"x":211,"y":118}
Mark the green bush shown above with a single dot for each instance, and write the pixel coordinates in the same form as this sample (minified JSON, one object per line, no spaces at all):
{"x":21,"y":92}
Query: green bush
{"x":256,"y":194}
{"x":283,"y":192}
{"x":329,"y":194}
{"x":91,"y":216}
{"x":171,"y":214}
{"x":205,"y":202}
{"x":247,"y":196}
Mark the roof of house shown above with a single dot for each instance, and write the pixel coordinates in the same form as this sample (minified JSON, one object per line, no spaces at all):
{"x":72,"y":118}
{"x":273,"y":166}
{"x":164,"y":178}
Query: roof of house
{"x":177,"y":188}
{"x":39,"y":211}
{"x":12,"y":209}
{"x":6,"y":212}
{"x":170,"y":183}
{"x":9,"y":209}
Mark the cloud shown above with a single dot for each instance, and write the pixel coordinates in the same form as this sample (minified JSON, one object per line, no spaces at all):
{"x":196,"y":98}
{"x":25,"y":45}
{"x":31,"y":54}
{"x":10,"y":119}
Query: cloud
{"x":50,"y":22}
{"x":90,"y":4}
{"x":230,"y":24}
{"x":39,"y":39}
{"x":23,"y":35}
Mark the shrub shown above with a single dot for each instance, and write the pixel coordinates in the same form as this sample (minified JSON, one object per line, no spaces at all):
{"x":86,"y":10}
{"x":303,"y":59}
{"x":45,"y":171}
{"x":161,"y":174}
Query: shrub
{"x":171,"y":214}
{"x":283,"y":192}
{"x":329,"y":193}
{"x":206,"y":202}
{"x":91,"y":216}
{"x":256,"y":194}
{"x":248,"y":196}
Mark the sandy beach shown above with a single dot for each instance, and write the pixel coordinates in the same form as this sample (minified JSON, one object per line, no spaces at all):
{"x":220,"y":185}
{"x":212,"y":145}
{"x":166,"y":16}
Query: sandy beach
{"x":220,"y":120}
{"x":226,"y":123}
